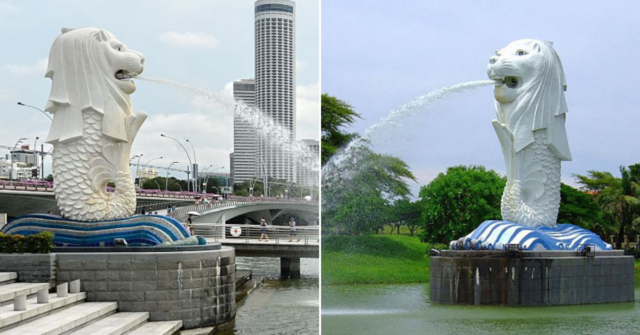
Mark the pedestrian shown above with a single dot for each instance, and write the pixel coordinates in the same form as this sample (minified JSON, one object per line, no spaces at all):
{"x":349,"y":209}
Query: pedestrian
{"x":190,"y":224}
{"x":168,"y":209}
{"x":263,"y":230}
{"x":292,"y":232}
{"x":143,"y":211}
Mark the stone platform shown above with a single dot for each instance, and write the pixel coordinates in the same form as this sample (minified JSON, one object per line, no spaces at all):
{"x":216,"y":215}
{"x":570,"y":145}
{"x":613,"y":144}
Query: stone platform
{"x":528,"y":278}
{"x":196,"y":287}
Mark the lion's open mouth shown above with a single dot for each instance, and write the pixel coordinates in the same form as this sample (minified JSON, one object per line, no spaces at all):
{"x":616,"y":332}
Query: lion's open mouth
{"x":509,"y":81}
{"x":125,"y":75}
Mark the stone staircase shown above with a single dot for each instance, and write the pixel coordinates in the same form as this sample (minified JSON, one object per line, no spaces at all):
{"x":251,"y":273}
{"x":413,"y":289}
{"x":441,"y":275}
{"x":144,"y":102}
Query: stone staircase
{"x":29,"y":309}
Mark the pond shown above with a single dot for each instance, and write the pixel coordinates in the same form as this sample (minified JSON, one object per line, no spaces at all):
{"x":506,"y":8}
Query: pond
{"x":405,"y":309}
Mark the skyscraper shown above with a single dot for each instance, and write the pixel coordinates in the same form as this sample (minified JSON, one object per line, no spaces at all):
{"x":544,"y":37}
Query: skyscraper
{"x":275,"y":82}
{"x":307,"y":173}
{"x":244,"y":135}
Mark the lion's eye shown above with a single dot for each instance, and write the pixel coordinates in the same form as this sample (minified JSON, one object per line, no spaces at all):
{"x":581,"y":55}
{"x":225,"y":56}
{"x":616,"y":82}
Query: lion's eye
{"x":521,"y":52}
{"x":119,"y":48}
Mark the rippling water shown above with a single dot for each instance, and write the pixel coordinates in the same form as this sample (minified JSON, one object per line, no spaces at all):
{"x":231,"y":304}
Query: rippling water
{"x":405,"y":309}
{"x":280,"y":306}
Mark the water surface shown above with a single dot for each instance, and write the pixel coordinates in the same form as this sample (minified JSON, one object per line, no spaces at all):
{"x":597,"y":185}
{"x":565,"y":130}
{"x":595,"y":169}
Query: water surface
{"x":405,"y":309}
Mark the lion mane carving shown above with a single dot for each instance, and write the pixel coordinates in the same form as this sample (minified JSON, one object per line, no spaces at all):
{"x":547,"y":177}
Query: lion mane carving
{"x":531,"y":110}
{"x":93,"y":124}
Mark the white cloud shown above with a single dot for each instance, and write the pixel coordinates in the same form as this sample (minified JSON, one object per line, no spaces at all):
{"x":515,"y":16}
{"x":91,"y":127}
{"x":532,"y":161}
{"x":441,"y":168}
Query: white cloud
{"x":308,"y":111}
{"x":189,"y":39}
{"x":25,"y":70}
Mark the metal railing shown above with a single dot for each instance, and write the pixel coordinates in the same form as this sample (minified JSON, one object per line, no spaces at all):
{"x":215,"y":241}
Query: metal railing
{"x":251,"y":233}
{"x":180,"y":213}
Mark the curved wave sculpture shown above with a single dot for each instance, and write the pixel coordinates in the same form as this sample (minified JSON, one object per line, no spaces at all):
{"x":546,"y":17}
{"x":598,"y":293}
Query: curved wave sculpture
{"x":139,"y":230}
{"x":496,"y":235}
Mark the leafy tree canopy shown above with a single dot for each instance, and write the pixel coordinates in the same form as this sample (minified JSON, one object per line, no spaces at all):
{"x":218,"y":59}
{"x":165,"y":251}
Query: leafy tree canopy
{"x":336,"y":114}
{"x":456,"y":202}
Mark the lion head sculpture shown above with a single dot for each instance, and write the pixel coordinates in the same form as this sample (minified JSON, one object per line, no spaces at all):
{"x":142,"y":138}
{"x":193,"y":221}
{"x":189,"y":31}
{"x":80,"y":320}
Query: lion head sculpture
{"x":90,"y":70}
{"x":529,"y":93}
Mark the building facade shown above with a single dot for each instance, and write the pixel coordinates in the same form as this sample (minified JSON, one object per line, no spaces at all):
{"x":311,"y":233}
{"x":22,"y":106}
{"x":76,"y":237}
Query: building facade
{"x":243,"y":159}
{"x":275,"y":80}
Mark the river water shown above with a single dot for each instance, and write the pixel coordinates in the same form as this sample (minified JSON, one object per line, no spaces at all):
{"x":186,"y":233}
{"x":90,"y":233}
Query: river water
{"x":280,"y":306}
{"x":405,"y":309}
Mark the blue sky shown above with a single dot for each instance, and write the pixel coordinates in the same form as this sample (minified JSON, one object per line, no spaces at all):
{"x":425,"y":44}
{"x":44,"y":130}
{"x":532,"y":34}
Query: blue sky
{"x":207,"y":43}
{"x":384,"y":54}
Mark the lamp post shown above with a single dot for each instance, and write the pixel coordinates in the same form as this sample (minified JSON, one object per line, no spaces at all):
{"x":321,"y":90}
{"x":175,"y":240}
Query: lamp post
{"x":149,"y":161}
{"x":166,"y":180}
{"x":188,"y":157}
{"x":138,"y":168}
{"x":206,"y":182}
{"x":36,"y":108}
{"x":35,"y":155}
{"x":195,"y":167}
{"x":12,"y":160}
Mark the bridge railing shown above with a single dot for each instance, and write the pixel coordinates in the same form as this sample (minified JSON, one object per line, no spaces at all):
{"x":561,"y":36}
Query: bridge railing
{"x":251,"y":233}
{"x":181,"y":213}
{"x":27,"y":185}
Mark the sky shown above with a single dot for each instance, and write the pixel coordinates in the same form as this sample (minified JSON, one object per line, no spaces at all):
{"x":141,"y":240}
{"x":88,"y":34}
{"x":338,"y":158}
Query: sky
{"x":392,"y":52}
{"x":206,"y":43}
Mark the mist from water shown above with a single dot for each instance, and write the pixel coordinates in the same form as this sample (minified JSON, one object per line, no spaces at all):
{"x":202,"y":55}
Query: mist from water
{"x":263,"y":125}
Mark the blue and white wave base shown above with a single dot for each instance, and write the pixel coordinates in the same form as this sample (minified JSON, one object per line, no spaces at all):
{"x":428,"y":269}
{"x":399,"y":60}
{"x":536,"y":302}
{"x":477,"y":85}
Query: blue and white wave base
{"x":496,"y":235}
{"x":139,"y":230}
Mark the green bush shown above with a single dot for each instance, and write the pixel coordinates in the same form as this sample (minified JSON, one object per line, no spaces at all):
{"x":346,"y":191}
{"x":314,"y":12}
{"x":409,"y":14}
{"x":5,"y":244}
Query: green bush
{"x":40,"y":243}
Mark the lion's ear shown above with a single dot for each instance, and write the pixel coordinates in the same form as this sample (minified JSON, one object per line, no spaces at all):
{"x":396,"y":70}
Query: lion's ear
{"x":66,"y":30}
{"x":548,"y":43}
{"x":102,"y":36}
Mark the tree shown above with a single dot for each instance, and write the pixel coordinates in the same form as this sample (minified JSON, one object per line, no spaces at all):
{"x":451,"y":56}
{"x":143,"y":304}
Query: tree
{"x":619,"y":198}
{"x":456,"y":202}
{"x":357,"y":194}
{"x":407,"y":213}
{"x":578,"y":208}
{"x":336,"y":114}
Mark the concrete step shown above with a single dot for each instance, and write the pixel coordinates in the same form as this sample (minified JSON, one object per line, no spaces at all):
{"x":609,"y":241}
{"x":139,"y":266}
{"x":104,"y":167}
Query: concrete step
{"x":115,"y":324}
{"x":8,"y":277}
{"x":9,"y":291}
{"x":65,"y":320}
{"x":10,"y":317}
{"x":157,"y":328}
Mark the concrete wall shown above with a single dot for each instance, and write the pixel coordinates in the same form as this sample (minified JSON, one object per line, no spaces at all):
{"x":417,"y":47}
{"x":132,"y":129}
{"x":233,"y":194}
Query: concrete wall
{"x":492,"y":278}
{"x":31,"y":268}
{"x":197,"y":287}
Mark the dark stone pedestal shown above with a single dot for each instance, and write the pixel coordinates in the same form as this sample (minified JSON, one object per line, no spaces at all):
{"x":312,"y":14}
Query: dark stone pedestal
{"x":290,"y":267}
{"x":530,"y":278}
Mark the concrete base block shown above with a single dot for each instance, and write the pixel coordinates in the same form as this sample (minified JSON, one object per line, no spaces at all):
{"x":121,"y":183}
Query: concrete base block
{"x":20,"y":303}
{"x":530,"y":278}
{"x":62,"y":290}
{"x":74,"y":286}
{"x":43,"y":296}
{"x":290,"y":267}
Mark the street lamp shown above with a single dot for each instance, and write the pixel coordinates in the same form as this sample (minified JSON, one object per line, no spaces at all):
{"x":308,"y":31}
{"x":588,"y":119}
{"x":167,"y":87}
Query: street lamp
{"x":188,"y":157}
{"x":195,"y":167}
{"x":166,"y":180}
{"x":12,"y":160}
{"x":138,"y":168}
{"x":206,"y":182}
{"x":152,"y":159}
{"x":35,"y":154}
{"x":36,"y":108}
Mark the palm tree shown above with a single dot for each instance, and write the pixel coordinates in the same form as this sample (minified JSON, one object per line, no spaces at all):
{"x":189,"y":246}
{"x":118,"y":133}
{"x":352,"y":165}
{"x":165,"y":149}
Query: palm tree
{"x":619,"y":198}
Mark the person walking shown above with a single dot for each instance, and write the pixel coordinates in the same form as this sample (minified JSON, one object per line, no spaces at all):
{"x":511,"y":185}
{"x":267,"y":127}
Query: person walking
{"x":263,"y":230}
{"x":292,"y":232}
{"x":190,"y":224}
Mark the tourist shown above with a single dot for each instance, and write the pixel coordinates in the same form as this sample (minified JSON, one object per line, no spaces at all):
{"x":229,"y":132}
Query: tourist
{"x":263,"y":230}
{"x":190,"y":224}
{"x":292,"y":232}
{"x":168,"y":210}
{"x":143,"y":211}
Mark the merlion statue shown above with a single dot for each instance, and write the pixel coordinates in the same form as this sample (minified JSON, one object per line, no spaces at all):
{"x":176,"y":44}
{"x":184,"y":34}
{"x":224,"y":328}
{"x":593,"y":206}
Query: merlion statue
{"x":93,"y":124}
{"x":531,"y":109}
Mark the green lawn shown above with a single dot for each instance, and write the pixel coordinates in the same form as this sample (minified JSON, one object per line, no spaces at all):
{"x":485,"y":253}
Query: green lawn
{"x":374,"y":259}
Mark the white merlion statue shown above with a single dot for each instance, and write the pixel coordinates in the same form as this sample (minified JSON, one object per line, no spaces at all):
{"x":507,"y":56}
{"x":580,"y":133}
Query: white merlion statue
{"x":530,"y":107}
{"x":93,"y":124}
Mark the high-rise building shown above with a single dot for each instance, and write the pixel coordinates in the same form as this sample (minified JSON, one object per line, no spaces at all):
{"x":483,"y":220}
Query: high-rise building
{"x":243,"y":165}
{"x":307,"y":167}
{"x":275,"y":55}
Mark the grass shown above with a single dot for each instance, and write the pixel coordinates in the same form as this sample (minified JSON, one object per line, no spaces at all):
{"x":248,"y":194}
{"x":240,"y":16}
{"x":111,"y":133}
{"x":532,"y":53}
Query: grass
{"x":637,"y":267}
{"x":374,"y":259}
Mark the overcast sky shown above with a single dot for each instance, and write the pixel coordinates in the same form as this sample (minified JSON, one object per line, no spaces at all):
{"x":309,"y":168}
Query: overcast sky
{"x":386,"y":53}
{"x":207,"y":43}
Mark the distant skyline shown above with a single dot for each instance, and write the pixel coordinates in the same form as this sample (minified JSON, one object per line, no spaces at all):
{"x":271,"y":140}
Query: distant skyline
{"x":208,"y":44}
{"x":389,"y":55}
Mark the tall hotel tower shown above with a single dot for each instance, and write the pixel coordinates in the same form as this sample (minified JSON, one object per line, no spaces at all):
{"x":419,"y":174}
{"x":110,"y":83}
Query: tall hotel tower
{"x":276,"y":82}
